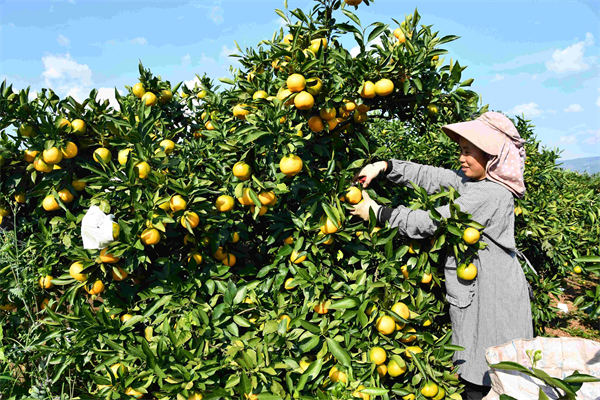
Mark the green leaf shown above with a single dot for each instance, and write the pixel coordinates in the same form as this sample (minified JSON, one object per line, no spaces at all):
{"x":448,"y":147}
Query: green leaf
{"x":352,"y":16}
{"x":253,"y":136}
{"x":380,"y":28}
{"x":348,"y":302}
{"x":338,"y":352}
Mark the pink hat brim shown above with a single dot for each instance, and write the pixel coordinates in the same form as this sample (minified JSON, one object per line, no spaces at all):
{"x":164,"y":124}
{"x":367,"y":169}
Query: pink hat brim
{"x":478,"y":133}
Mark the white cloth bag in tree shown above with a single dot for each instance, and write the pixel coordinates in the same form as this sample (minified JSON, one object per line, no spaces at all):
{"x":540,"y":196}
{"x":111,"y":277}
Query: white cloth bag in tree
{"x":96,"y":229}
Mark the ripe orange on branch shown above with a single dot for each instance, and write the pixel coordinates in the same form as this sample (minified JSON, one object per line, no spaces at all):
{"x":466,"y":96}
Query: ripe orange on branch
{"x":290,"y":165}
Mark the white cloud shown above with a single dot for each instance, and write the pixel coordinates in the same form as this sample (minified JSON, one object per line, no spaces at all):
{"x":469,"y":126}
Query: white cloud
{"x":67,"y":77}
{"x":598,"y":102}
{"x":186,"y":60}
{"x":573,"y":108}
{"x":226,"y":52}
{"x":192,"y":82}
{"x":63,"y":41}
{"x":530,"y":110}
{"x":568,"y":139}
{"x":32,"y":95}
{"x":107,"y":93}
{"x":139,"y":40}
{"x":571,"y":58}
{"x":215,"y":12}
{"x":551,"y":111}
{"x":498,"y":77}
{"x":280,"y":22}
{"x":594,"y":139}
{"x":534,"y":77}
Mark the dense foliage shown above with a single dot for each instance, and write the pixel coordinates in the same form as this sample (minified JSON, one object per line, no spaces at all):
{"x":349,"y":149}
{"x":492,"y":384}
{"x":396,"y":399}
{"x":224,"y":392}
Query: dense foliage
{"x":234,"y":273}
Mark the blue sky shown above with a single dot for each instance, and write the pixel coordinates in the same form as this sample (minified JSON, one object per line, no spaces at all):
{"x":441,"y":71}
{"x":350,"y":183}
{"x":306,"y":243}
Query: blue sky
{"x":540,"y":58}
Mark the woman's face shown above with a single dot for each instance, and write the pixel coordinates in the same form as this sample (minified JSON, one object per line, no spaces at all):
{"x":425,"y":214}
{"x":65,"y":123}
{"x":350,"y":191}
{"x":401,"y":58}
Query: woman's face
{"x":472,"y":160}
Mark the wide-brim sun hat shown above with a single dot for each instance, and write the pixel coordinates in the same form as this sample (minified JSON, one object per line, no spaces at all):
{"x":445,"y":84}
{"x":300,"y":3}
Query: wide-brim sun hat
{"x":495,"y":134}
{"x":479,"y":132}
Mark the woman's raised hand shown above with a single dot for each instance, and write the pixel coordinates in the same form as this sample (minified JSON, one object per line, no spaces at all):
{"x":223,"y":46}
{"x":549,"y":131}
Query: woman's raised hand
{"x":370,"y":172}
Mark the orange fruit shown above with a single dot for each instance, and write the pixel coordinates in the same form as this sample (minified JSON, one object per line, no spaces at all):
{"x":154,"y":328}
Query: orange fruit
{"x":426,"y":278}
{"x":290,"y":165}
{"x":78,"y":185}
{"x":263,"y":210}
{"x":414,"y":349}
{"x":150,"y":236}
{"x":394,"y":369}
{"x":260,"y":94}
{"x":149,"y":99}
{"x":41,"y":166}
{"x":304,"y":101}
{"x":142,"y":169}
{"x":353,"y":195}
{"x":314,"y":86}
{"x":411,"y":338}
{"x":267,"y":198}
{"x":359,"y":394}
{"x":399,"y":35}
{"x":46,"y":282}
{"x":430,"y":389}
{"x":368,"y":90}
{"x":138,"y":90}
{"x":382,"y":370}
{"x":245,"y":200}
{"x":471,"y":235}
{"x":287,"y":285}
{"x":337,"y":376}
{"x":167,"y":146}
{"x":102,"y":153}
{"x":78,"y":126}
{"x":353,"y":2}
{"x":209,"y":126}
{"x":229,"y":260}
{"x":70,"y":150}
{"x":121,"y":271}
{"x":242,"y":171}
{"x":196,"y":256}
{"x":289,"y":240}
{"x":316,"y":124}
{"x":75,"y":271}
{"x":220,"y":254}
{"x":385,"y":325}
{"x":96,"y":288}
{"x":240,"y":111}
{"x":64,"y":123}
{"x":363,"y":108}
{"x":224,"y":203}
{"x":466,"y":272}
{"x":377,"y":355}
{"x":296,"y":83}
{"x":287,"y":320}
{"x":401,"y":310}
{"x":29,"y":155}
{"x":328,"y":227}
{"x":50,"y":204}
{"x":177,"y":203}
{"x":65,"y":196}
{"x":321,"y":308}
{"x":108,"y":258}
{"x":384,"y":87}
{"x":315,"y":44}
{"x":191,"y":219}
{"x":295,"y":259}
{"x":26,"y":130}
{"x":165,"y":96}
{"x":327,"y":114}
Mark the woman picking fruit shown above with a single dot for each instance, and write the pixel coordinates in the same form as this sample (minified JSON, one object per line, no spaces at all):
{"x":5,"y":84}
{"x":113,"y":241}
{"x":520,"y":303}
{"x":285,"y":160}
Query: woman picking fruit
{"x":494,"y":308}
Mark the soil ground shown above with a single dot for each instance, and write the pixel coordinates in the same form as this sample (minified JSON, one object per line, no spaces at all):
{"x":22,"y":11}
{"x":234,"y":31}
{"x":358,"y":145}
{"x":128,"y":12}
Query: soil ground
{"x":575,"y":323}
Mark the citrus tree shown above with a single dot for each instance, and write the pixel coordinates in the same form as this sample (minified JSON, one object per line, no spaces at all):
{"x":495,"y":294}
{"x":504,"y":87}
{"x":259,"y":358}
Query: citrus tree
{"x":235,"y":269}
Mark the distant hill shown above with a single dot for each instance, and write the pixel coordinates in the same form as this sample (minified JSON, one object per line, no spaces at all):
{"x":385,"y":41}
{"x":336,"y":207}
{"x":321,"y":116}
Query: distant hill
{"x":591,"y":165}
